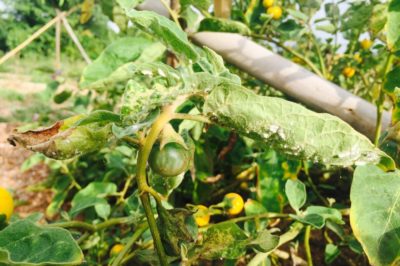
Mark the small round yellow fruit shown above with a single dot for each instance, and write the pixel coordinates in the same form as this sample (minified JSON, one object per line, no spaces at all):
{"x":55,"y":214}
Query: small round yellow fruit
{"x":358,"y":58}
{"x":268,"y":3}
{"x":116,"y":249}
{"x":366,"y":44}
{"x":202,"y":216}
{"x":6,"y":203}
{"x":348,"y":72}
{"x":234,"y":203}
{"x":275,"y":12}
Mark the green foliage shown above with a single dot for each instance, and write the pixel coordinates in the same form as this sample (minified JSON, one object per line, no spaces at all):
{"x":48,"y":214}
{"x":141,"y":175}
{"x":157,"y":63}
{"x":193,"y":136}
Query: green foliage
{"x":118,"y":53}
{"x":393,"y":24}
{"x":266,"y":119}
{"x":296,"y":193}
{"x":223,"y":25}
{"x":129,"y":91}
{"x":375,"y":213}
{"x":93,"y":196}
{"x":24,"y":243}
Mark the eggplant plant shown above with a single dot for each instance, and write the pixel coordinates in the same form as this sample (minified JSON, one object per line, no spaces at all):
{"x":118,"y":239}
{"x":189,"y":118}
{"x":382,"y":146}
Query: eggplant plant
{"x":158,"y":114}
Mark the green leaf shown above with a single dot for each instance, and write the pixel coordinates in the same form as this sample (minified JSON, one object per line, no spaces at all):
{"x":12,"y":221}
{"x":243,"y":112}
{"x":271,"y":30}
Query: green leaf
{"x":378,"y":18}
{"x":264,"y":242}
{"x":24,"y":243}
{"x":291,"y":128}
{"x":329,"y":28}
{"x":225,"y":240}
{"x":392,"y":80}
{"x":297,"y":14}
{"x":93,"y":195}
{"x":165,"y":185}
{"x":253,"y":207}
{"x":31,"y":161}
{"x":393,"y":25}
{"x":100,"y":116}
{"x":166,"y":30}
{"x":118,"y":53}
{"x":223,"y":25}
{"x":296,"y":193}
{"x":375,"y":213}
{"x":129,"y":4}
{"x":317,"y":216}
{"x":62,"y":96}
{"x":174,"y":230}
{"x":200,"y":4}
{"x":331,"y":253}
{"x":356,"y":16}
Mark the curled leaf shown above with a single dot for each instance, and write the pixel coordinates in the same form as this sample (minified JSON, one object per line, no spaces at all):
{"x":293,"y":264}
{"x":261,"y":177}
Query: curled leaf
{"x":60,"y":142}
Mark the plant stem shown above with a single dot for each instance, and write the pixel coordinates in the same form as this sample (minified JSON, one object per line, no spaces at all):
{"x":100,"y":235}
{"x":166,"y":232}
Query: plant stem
{"x":144,"y":152}
{"x":92,"y":227}
{"x":138,"y":232}
{"x":172,"y":13}
{"x":379,"y":102}
{"x":198,"y":118}
{"x":313,"y":186}
{"x":132,"y":141}
{"x":319,"y":53}
{"x":125,"y":189}
{"x":307,"y":245}
{"x":256,"y":216}
{"x":293,"y":52}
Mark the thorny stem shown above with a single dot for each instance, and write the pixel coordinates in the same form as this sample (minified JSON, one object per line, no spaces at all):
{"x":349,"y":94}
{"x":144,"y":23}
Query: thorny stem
{"x":379,"y":102}
{"x":144,"y":152}
{"x":138,"y":232}
{"x":307,"y":245}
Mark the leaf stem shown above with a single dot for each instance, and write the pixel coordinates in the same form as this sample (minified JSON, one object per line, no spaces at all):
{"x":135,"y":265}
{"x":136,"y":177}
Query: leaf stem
{"x":198,"y":118}
{"x":172,"y":13}
{"x":268,"y":215}
{"x":92,"y":227}
{"x":313,"y":186}
{"x":138,"y":232}
{"x":319,"y":53}
{"x":381,"y":98}
{"x":307,"y":245}
{"x":144,"y":152}
{"x":291,"y":51}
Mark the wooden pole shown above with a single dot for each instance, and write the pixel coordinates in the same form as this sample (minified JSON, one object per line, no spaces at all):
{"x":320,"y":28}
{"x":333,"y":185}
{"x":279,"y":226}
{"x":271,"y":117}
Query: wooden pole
{"x":58,"y":45}
{"x":222,"y":8}
{"x":76,"y":40}
{"x":31,"y":38}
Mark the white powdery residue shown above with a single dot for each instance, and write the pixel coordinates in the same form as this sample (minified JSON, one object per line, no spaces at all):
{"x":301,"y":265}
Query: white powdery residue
{"x":161,"y":73}
{"x":353,"y":152}
{"x":147,"y":72}
{"x":274,"y":128}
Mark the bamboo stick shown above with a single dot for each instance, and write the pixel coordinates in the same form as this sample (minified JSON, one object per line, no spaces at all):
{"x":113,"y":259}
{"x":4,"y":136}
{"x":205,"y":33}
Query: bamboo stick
{"x":31,"y":38}
{"x":75,"y":39}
